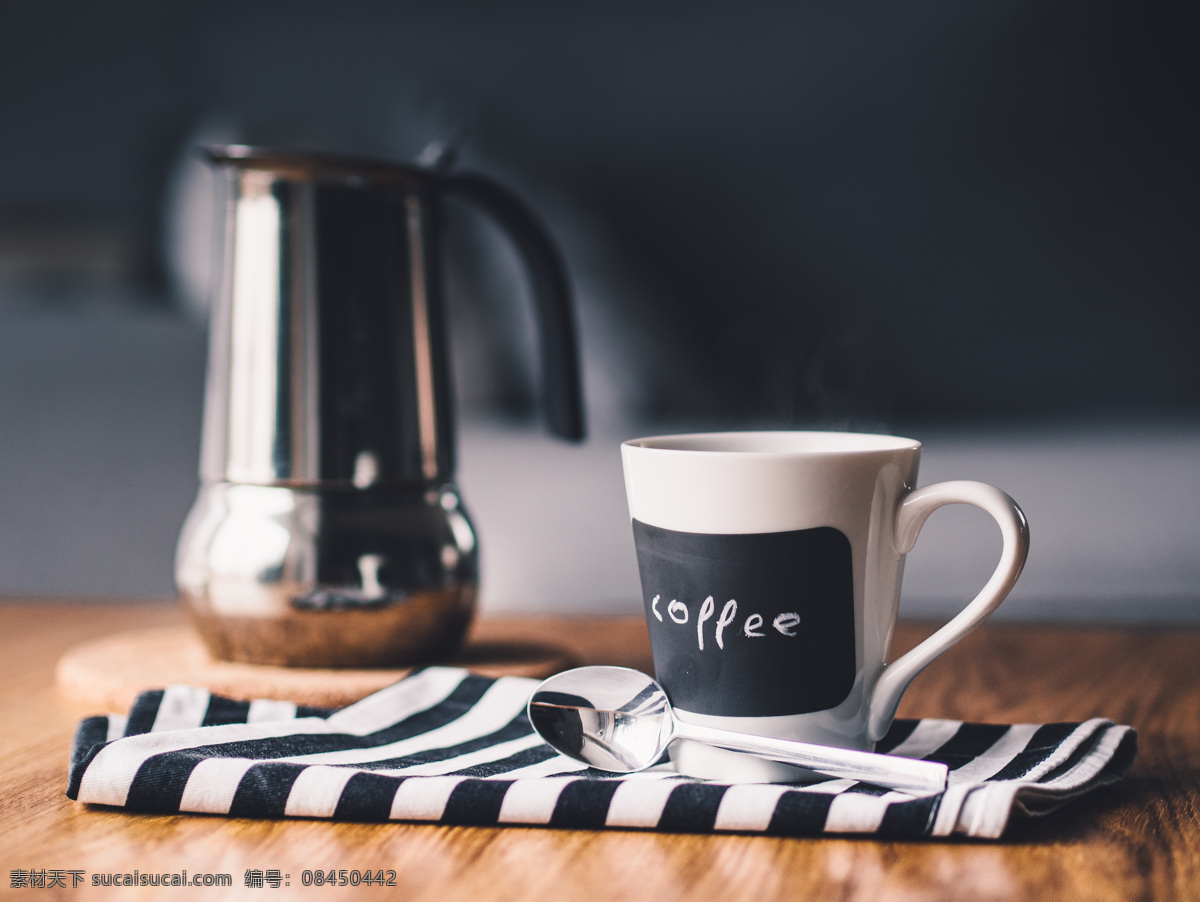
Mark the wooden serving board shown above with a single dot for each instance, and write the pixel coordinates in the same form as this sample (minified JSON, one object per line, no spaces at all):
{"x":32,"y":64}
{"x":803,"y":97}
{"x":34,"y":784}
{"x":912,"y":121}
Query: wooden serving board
{"x":108,"y":673}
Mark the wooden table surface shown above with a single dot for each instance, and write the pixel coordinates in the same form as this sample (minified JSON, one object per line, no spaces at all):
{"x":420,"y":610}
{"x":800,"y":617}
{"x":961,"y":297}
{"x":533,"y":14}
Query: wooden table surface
{"x":1137,"y":840}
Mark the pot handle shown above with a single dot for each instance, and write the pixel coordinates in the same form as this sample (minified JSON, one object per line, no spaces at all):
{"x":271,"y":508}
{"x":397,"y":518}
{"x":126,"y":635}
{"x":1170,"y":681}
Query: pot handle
{"x":561,"y":391}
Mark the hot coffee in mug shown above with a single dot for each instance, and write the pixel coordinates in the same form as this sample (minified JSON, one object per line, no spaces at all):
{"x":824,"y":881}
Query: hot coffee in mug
{"x":770,"y":565}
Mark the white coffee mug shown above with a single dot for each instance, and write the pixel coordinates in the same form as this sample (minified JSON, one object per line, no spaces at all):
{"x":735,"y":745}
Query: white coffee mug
{"x":770,"y":565}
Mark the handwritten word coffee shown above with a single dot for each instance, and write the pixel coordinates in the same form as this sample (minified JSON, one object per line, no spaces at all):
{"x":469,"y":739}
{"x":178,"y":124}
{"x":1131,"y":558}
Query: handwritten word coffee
{"x":785,"y":624}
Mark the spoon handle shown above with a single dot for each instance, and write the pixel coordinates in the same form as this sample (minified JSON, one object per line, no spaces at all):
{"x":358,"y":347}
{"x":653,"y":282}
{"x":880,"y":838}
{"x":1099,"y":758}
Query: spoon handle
{"x":908,"y":774}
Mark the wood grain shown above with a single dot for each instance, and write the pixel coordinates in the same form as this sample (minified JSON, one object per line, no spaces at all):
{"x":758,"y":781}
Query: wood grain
{"x":1139,"y":840}
{"x":109,"y":672}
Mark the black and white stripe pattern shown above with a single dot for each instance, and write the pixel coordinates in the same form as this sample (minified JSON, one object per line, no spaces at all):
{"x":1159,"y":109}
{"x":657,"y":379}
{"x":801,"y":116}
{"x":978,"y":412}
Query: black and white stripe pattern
{"x":452,"y":747}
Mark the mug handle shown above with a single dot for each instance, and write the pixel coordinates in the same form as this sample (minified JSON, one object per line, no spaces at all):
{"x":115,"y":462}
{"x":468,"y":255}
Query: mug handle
{"x":910,"y":517}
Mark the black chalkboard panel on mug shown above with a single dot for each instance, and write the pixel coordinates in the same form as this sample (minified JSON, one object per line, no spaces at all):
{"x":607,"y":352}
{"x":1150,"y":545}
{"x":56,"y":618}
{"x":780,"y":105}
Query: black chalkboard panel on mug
{"x":751,"y":625}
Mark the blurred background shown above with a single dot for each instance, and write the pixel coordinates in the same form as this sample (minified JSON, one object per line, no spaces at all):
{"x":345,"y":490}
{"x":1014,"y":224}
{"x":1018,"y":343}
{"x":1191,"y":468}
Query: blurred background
{"x":975,"y":224}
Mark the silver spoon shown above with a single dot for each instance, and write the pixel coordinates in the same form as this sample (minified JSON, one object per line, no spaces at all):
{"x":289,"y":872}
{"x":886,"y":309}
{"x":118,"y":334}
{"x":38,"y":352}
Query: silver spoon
{"x":620,"y":720}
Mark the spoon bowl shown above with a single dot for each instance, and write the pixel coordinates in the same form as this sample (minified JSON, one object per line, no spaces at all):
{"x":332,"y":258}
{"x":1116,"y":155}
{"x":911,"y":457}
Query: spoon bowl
{"x":612,"y":718}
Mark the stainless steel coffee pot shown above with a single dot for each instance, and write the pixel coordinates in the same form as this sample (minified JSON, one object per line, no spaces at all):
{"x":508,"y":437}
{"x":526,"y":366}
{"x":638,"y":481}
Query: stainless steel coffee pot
{"x":328,"y":531}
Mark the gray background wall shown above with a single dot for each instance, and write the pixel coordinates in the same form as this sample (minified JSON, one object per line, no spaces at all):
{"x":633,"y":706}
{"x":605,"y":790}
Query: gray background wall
{"x":971,"y":223}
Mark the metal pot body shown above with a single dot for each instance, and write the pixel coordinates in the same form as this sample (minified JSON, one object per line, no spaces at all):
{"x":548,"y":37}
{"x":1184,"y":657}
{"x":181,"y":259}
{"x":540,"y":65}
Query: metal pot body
{"x":328,"y":577}
{"x":328,"y":530}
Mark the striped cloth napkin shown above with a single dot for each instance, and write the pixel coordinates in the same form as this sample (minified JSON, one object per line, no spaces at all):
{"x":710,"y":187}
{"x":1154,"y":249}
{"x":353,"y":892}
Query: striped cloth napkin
{"x":452,"y":747}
